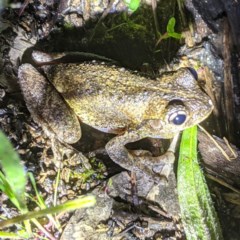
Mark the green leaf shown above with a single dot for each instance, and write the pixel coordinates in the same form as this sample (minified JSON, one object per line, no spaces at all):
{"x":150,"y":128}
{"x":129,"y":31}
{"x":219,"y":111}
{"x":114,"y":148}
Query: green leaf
{"x":13,"y":171}
{"x":175,"y":35}
{"x":133,"y":5}
{"x":198,"y":214}
{"x":171,"y":25}
{"x":6,"y":188}
{"x":10,"y":235}
{"x":81,"y":202}
{"x":40,"y":200}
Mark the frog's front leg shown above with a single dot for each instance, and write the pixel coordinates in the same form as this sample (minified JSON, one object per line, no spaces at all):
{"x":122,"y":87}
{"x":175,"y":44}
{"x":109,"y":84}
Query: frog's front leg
{"x":133,"y":161}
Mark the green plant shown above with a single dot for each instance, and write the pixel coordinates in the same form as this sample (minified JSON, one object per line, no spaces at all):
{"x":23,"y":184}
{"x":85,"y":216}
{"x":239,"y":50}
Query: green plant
{"x":133,"y":5}
{"x":198,"y":214}
{"x":13,"y":179}
{"x":170,"y":31}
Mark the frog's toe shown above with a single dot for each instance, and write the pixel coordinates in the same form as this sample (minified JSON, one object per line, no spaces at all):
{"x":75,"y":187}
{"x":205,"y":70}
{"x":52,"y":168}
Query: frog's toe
{"x":159,"y":167}
{"x":163,"y":165}
{"x":163,"y":169}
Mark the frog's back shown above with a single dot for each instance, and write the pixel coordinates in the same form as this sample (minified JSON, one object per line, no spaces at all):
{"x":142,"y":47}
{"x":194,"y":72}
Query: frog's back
{"x":94,"y":77}
{"x":103,"y":96}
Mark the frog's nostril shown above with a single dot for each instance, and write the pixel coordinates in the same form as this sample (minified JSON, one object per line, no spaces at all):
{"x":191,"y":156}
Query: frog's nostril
{"x":193,"y":72}
{"x":177,"y":118}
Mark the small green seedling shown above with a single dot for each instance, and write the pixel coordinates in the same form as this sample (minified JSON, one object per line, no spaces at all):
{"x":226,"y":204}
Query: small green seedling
{"x":170,"y":33}
{"x":133,"y":5}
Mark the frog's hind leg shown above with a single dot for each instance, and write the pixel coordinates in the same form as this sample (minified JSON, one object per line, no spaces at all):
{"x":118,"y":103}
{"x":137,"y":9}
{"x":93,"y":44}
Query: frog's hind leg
{"x":47,"y":106}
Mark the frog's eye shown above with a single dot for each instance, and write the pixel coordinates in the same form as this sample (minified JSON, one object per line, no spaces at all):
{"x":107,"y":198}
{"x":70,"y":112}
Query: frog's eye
{"x":193,"y":72}
{"x":177,"y":118}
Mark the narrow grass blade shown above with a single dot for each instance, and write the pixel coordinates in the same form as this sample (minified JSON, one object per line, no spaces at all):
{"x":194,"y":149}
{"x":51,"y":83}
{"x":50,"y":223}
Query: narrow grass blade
{"x":40,"y":202}
{"x":198,"y":214}
{"x":6,"y":188}
{"x":6,"y":235}
{"x":13,"y":170}
{"x":82,"y":202}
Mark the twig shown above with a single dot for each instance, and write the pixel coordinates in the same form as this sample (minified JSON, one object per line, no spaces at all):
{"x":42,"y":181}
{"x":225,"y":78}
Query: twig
{"x":217,"y":145}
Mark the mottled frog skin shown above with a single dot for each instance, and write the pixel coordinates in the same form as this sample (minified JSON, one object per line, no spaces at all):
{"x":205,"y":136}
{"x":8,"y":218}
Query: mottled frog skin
{"x":114,"y":100}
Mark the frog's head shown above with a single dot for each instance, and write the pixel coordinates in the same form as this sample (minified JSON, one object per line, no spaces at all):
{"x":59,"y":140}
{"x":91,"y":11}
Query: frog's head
{"x":184,"y":106}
